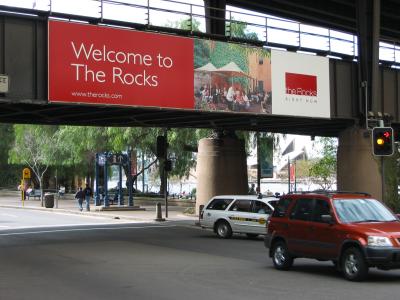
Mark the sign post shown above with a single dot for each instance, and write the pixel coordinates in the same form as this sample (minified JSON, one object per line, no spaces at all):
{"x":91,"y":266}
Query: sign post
{"x":22,"y":191}
{"x":26,"y":174}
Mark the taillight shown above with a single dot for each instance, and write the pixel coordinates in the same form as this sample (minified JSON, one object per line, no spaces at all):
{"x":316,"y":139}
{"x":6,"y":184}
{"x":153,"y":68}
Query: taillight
{"x":267,"y":224}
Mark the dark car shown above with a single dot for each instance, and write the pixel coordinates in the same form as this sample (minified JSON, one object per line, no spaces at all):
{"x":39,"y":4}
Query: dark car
{"x":352,"y":230}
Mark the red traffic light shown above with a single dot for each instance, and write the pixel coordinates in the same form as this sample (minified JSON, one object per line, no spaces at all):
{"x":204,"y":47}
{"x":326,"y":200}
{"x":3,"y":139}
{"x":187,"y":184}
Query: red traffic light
{"x":386,"y":134}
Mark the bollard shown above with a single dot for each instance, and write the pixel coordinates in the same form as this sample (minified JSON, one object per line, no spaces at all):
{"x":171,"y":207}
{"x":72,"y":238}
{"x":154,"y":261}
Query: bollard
{"x":159,"y":217}
{"x":201,"y":207}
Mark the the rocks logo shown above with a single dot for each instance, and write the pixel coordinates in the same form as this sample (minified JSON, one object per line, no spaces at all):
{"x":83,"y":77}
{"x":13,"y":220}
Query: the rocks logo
{"x":301,"y":84}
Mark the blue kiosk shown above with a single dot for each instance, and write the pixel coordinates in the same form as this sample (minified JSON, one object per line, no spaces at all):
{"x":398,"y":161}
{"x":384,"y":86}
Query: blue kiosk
{"x":104,"y":160}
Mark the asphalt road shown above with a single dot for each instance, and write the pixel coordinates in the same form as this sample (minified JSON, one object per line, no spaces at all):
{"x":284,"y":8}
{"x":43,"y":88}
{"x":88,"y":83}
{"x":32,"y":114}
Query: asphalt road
{"x":172,"y":260}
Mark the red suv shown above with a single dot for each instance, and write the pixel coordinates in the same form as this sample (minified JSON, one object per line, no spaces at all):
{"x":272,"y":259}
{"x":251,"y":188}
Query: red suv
{"x":353,"y":230}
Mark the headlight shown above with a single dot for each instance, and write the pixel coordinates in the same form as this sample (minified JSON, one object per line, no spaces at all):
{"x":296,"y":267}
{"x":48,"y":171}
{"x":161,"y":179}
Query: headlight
{"x":379,"y":241}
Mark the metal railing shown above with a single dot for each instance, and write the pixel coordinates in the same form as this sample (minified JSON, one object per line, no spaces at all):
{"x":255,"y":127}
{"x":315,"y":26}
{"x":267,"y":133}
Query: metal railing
{"x":239,"y":24}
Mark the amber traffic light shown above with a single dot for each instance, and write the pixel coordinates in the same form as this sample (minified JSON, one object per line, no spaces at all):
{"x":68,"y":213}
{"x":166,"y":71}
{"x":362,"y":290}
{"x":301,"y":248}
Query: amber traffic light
{"x":382,"y":141}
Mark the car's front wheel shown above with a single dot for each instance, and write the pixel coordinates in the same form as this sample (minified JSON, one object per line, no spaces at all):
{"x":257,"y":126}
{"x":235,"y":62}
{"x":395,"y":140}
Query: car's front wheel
{"x":223,"y":230}
{"x":281,"y":257}
{"x":353,"y":265}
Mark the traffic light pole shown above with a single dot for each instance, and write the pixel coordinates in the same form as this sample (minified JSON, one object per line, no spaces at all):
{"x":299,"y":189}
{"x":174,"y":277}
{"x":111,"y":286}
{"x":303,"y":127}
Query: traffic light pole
{"x":288,"y":167}
{"x":258,"y":164}
{"x":165,"y":173}
{"x":383,"y":179}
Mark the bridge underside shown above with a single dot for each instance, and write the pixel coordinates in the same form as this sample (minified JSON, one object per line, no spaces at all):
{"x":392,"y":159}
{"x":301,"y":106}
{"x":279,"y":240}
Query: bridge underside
{"x":23,"y":56}
{"x":90,"y":115}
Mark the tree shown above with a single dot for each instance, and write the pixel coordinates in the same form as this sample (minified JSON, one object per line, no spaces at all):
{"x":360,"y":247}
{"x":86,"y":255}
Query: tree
{"x":79,"y":145}
{"x":145,"y":139}
{"x":238,"y":29}
{"x":10,"y":174}
{"x":323,"y":170}
{"x":303,"y":172}
{"x":184,"y":24}
{"x":76,"y":147}
{"x":391,"y":179}
{"x":35,"y":146}
{"x":6,"y":137}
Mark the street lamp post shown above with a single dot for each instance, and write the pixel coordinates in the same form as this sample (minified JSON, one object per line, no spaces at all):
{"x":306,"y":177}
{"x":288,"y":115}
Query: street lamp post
{"x":130,"y":183}
{"x":106,"y":198}
{"x":96,"y":172}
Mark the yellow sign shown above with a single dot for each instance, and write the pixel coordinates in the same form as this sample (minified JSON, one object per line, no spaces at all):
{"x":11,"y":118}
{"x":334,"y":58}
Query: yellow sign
{"x":26,"y":173}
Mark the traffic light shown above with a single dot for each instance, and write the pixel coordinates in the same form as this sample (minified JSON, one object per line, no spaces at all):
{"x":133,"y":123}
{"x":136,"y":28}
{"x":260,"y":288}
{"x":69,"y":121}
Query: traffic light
{"x":382,"y":141}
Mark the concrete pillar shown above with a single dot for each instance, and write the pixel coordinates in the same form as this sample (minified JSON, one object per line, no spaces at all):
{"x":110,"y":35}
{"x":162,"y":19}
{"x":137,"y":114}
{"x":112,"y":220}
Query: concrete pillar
{"x":357,"y":168}
{"x":368,"y":14}
{"x":221,"y":169}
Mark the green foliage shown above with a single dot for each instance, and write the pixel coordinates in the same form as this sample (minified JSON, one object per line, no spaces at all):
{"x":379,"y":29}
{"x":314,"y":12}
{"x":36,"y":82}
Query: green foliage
{"x":35,"y":146}
{"x":238,"y":29}
{"x":183,"y":160}
{"x":323,"y":170}
{"x":71,"y":149}
{"x":143,"y":138}
{"x":10,"y":175}
{"x":78,"y":143}
{"x":391,"y":178}
{"x":7,"y":139}
{"x":184,"y":24}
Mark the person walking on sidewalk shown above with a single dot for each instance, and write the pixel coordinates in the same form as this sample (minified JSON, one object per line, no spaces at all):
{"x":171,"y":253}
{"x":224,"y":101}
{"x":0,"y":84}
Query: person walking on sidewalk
{"x":87,"y":192}
{"x":79,"y":197}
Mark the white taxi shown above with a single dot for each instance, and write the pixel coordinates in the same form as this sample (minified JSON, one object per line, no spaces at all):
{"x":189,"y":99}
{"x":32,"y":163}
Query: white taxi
{"x":230,"y":214}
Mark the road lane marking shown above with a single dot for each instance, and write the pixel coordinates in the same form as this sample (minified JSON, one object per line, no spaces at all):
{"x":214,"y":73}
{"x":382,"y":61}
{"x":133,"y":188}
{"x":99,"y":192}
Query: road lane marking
{"x":84,"y":229}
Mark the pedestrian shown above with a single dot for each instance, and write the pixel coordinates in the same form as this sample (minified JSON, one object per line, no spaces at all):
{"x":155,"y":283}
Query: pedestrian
{"x":79,"y":197}
{"x":252,"y":190}
{"x":87,"y":192}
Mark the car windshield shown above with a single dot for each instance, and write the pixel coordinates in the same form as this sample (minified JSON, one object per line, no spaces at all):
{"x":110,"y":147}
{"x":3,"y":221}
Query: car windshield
{"x":362,"y":210}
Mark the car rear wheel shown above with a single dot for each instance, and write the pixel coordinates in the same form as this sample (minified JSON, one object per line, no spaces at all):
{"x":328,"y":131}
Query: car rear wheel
{"x":281,"y":257}
{"x":353,"y":265}
{"x":223,"y":230}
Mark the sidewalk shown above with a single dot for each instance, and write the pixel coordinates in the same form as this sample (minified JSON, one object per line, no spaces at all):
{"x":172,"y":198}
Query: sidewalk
{"x":67,"y":204}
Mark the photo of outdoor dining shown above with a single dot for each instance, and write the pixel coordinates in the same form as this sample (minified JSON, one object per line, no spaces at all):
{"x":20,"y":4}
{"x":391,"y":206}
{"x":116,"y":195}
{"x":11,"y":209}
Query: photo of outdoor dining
{"x":232,"y":77}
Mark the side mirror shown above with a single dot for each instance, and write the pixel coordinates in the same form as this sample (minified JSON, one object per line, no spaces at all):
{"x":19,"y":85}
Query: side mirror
{"x":327,"y":219}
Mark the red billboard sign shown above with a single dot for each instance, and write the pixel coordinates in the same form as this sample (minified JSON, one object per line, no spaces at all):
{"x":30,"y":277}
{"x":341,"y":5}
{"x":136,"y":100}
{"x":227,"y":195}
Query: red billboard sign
{"x":102,"y":65}
{"x":301,"y":84}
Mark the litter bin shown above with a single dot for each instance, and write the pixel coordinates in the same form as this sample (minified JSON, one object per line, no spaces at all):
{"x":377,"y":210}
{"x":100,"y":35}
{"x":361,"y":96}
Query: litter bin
{"x":48,"y":200}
